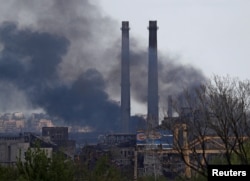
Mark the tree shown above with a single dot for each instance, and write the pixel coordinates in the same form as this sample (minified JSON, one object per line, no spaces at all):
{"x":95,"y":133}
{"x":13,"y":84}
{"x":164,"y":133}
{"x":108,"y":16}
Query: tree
{"x":40,"y":167}
{"x":104,"y":171}
{"x":152,"y":178}
{"x":213,"y":118}
{"x":95,"y":166}
{"x":61,"y":168}
{"x":8,"y":173}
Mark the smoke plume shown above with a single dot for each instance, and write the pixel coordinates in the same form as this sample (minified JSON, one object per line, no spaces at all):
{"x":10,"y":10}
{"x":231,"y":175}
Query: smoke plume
{"x":63,"y":57}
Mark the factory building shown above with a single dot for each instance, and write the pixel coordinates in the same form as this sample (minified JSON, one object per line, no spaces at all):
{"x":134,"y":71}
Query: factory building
{"x":14,"y":146}
{"x":11,"y":147}
{"x":60,"y":136}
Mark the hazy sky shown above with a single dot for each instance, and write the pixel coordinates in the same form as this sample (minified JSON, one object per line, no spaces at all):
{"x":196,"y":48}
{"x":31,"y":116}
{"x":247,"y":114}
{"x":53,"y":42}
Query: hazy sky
{"x":63,"y":56}
{"x":212,"y":35}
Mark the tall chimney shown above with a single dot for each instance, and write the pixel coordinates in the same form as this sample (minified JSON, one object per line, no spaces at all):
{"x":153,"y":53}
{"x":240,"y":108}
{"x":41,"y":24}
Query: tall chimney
{"x":153,"y":99}
{"x":125,"y":78}
{"x":170,"y":106}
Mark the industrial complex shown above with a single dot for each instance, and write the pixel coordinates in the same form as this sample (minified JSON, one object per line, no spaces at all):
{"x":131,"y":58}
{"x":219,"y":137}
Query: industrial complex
{"x":152,"y":150}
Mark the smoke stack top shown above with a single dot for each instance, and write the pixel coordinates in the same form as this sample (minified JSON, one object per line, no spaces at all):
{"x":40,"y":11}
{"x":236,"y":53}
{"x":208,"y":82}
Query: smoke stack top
{"x":153,"y":34}
{"x":125,"y":25}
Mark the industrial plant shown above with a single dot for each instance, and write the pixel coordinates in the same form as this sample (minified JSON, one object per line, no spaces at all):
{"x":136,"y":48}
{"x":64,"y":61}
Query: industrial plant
{"x":148,"y":150}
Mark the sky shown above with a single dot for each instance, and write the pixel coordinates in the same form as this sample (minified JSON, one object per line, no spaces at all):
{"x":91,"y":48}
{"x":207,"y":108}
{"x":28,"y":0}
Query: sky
{"x":63,"y":57}
{"x":212,"y":35}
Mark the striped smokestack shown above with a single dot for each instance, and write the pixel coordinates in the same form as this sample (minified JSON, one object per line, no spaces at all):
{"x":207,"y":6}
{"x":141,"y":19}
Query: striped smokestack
{"x":153,"y":112}
{"x":125,"y":78}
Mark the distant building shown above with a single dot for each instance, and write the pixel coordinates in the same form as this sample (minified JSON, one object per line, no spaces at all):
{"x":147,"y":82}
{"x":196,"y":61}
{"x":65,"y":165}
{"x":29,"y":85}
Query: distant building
{"x":122,"y":148}
{"x":60,"y":136}
{"x":12,"y":122}
{"x":18,"y":115}
{"x":39,"y":120}
{"x":11,"y":147}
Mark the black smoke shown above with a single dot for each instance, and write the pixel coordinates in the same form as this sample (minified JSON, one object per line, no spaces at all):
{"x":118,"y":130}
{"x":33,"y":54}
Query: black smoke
{"x":173,"y":77}
{"x":29,"y":60}
{"x":64,"y":59}
{"x":84,"y":103}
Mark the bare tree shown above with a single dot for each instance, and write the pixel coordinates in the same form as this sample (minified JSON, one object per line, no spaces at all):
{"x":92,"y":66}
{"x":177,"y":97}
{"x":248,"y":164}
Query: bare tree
{"x":214,"y":120}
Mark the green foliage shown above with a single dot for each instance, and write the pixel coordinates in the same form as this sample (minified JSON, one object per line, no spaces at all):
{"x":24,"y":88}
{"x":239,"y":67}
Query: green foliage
{"x":194,"y":178}
{"x":241,"y":157}
{"x":35,"y":166}
{"x":199,"y":178}
{"x":236,"y":157}
{"x":8,"y":173}
{"x":38,"y":166}
{"x":152,"y":178}
{"x":61,"y":168}
{"x":103,"y":171}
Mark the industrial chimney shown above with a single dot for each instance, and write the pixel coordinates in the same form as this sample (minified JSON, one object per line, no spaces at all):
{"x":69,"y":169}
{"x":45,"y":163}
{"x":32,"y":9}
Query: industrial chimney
{"x":125,"y":78}
{"x":153,"y":99}
{"x":170,"y":106}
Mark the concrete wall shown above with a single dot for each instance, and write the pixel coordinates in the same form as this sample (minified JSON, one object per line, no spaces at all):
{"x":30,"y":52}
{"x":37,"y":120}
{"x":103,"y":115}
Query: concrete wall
{"x":11,"y":150}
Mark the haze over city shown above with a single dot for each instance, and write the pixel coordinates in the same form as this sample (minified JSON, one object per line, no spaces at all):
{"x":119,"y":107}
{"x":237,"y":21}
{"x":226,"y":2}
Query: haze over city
{"x":63,"y":57}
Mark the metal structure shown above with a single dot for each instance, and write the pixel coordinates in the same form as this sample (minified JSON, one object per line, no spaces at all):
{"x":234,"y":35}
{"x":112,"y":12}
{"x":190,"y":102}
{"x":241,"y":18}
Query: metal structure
{"x":125,"y":78}
{"x":153,"y":98}
{"x":187,"y":149}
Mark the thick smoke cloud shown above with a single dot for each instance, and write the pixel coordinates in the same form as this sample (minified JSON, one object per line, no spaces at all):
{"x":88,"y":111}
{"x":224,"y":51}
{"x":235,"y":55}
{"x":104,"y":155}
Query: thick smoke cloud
{"x":63,"y":57}
{"x":84,"y":103}
{"x":29,"y":61}
{"x":53,"y":58}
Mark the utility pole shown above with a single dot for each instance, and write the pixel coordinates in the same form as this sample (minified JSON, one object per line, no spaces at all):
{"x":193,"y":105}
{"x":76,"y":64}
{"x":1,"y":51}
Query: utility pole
{"x":135,"y":166}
